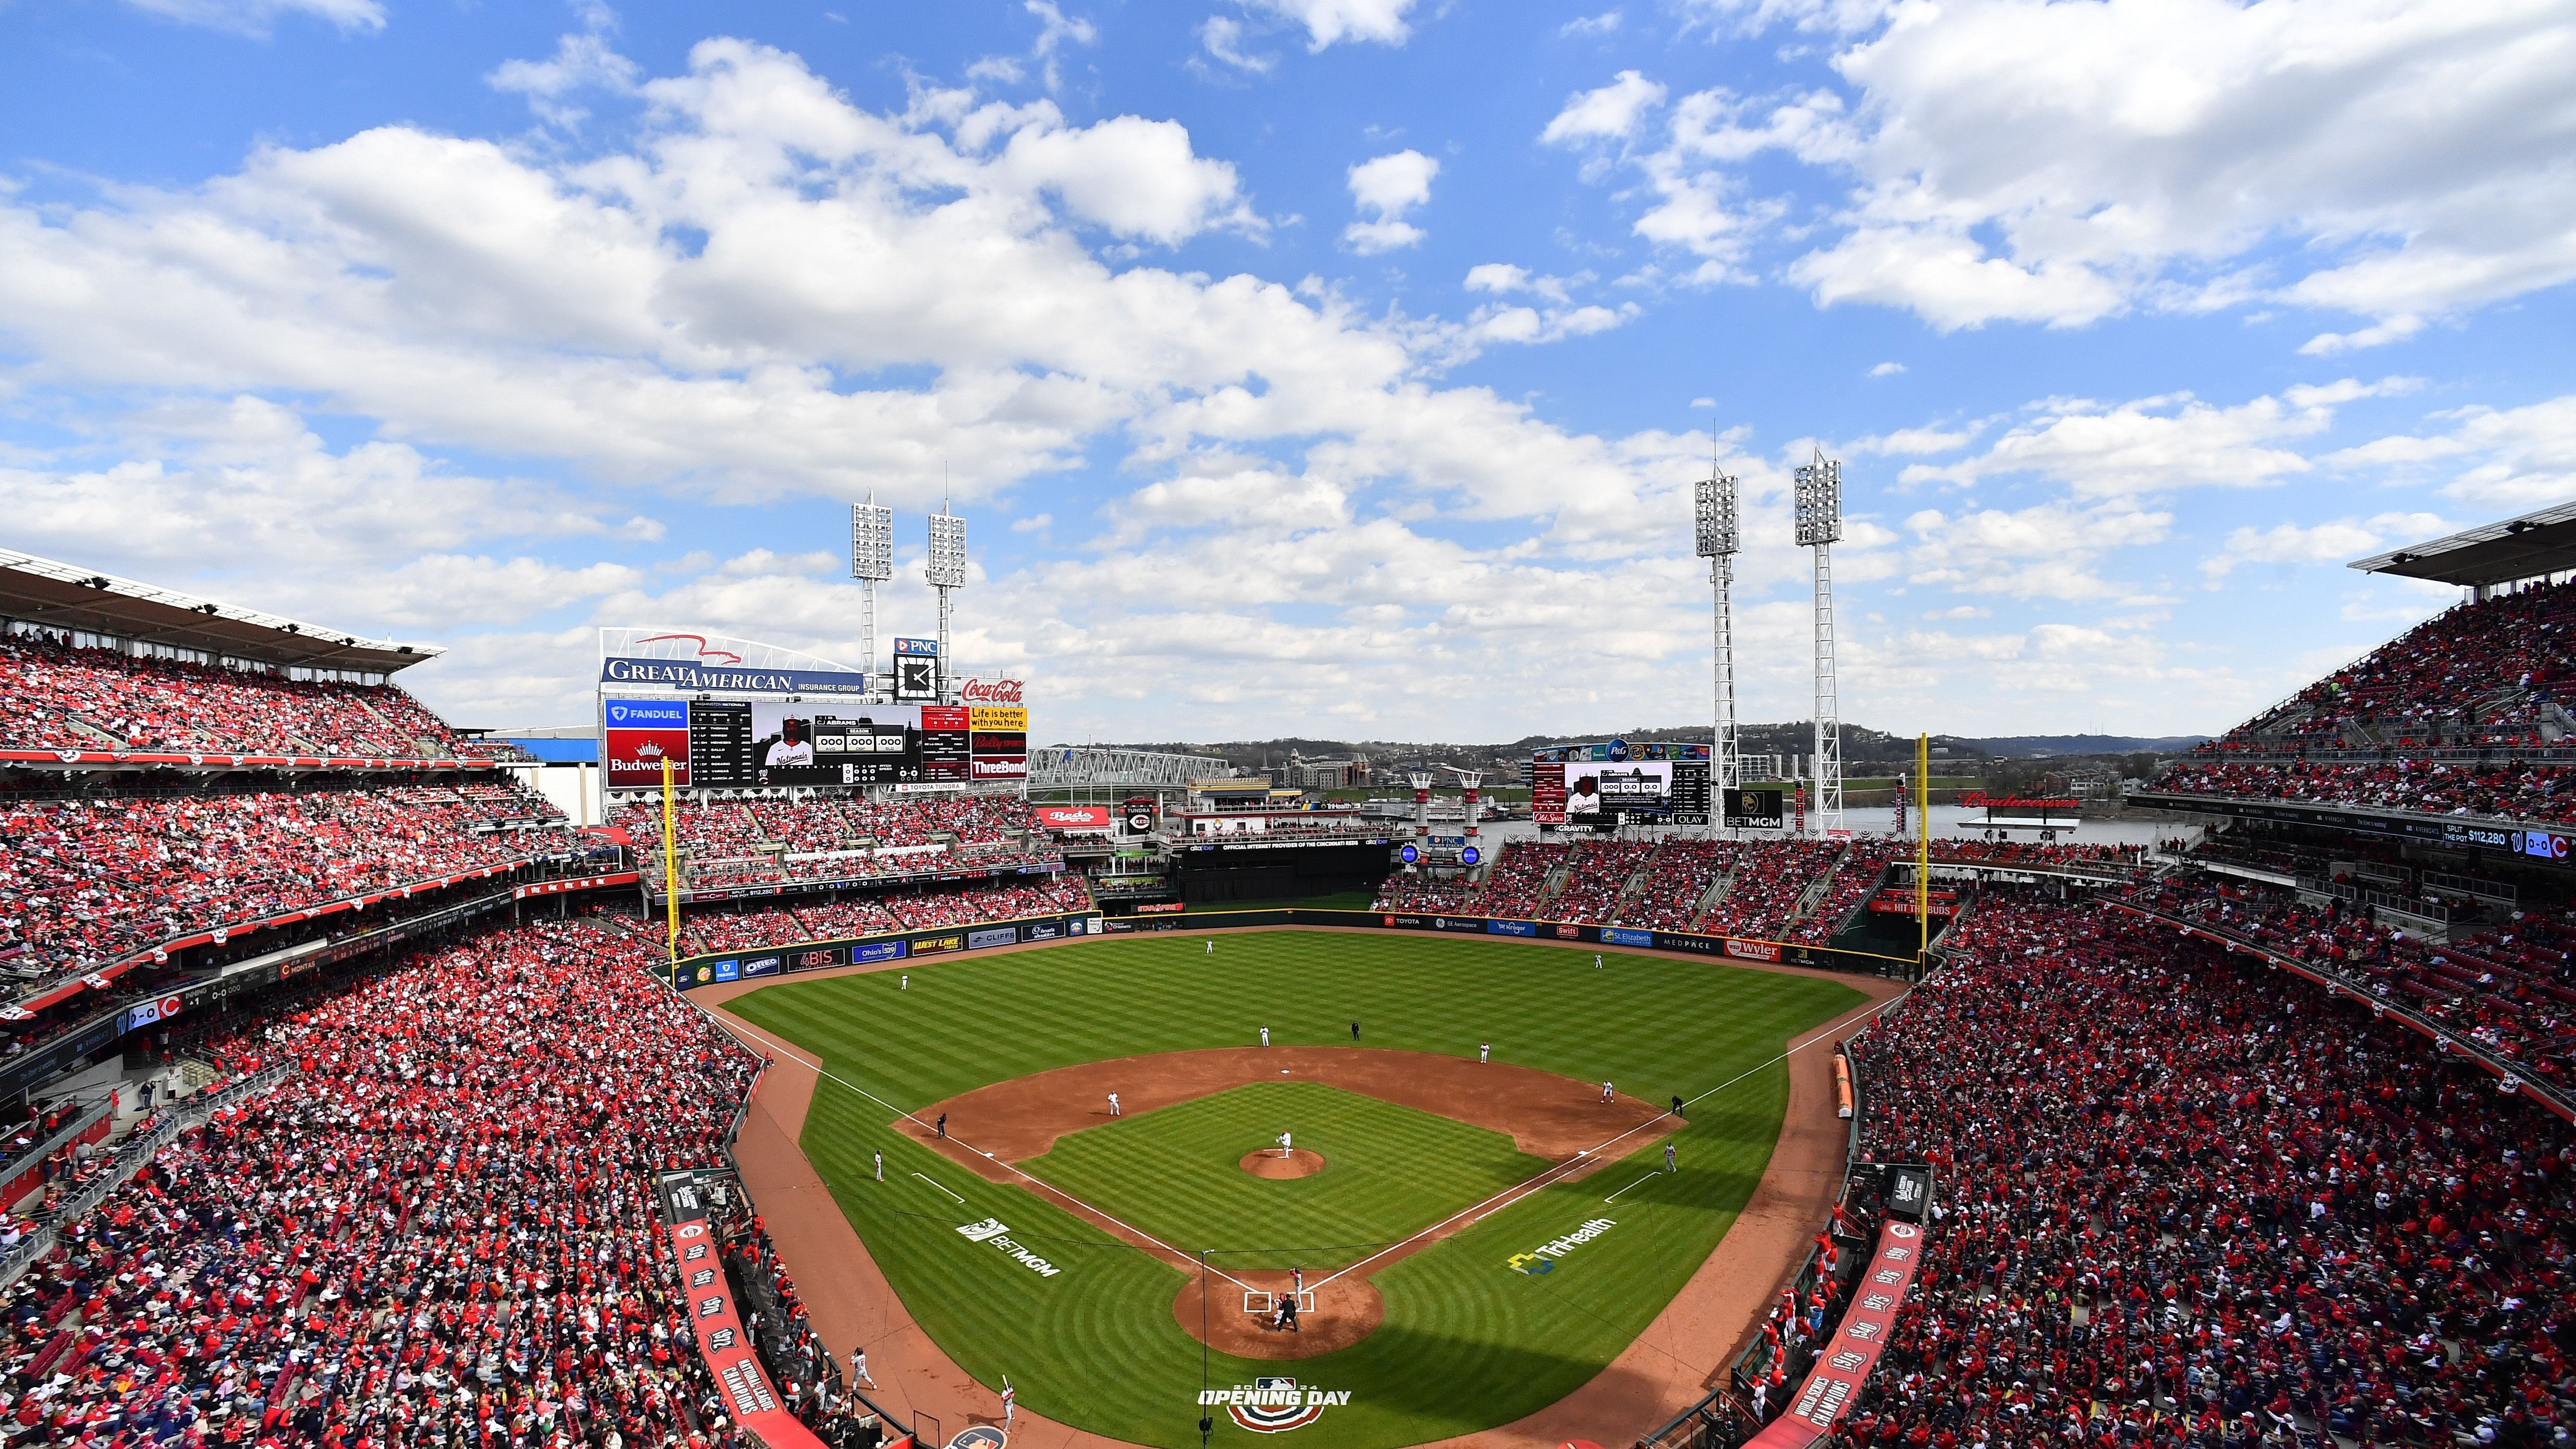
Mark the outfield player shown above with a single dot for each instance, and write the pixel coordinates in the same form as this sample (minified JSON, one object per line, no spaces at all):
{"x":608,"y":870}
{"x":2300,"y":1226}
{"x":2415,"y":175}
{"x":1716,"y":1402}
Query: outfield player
{"x":1211,"y":950}
{"x":1668,"y":1158}
{"x":880,"y":1157}
{"x":903,"y":982}
{"x":1596,"y":961}
{"x":1113,"y":1104}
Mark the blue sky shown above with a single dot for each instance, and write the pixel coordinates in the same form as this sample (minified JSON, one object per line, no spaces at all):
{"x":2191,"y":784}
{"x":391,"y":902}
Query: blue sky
{"x":1334,"y":367}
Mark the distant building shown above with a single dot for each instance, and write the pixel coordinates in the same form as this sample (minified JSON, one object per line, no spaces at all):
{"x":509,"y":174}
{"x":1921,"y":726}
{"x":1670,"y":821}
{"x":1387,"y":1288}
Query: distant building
{"x":1300,"y":773}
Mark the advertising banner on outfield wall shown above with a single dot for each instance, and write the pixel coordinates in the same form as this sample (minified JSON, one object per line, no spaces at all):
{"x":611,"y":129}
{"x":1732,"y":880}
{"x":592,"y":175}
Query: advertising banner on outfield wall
{"x":717,"y":968}
{"x":1843,"y":1362}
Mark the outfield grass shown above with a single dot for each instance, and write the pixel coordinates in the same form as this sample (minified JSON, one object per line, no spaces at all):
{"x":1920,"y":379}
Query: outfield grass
{"x":1389,"y":1171}
{"x":1466,"y":1343}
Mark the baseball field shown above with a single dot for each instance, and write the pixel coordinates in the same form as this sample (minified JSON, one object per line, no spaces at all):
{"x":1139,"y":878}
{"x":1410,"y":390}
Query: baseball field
{"x":1477,"y":1238}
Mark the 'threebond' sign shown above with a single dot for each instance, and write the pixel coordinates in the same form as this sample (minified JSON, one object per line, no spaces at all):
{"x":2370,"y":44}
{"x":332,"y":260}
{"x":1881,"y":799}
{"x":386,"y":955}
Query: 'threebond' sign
{"x":1542,"y":1259}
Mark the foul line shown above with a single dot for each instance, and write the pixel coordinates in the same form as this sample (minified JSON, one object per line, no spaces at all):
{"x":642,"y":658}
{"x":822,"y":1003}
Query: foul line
{"x":1040,"y":1183}
{"x":1482,"y":1210}
{"x":1633,"y":1184}
{"x":961,"y":1202}
{"x":1512,"y":1195}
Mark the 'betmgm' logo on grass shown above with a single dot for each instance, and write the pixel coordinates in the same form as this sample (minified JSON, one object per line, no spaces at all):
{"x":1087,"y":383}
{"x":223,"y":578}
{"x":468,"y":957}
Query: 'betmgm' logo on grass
{"x":994,"y":1231}
{"x":1542,"y":1259}
{"x":1273,"y":1405}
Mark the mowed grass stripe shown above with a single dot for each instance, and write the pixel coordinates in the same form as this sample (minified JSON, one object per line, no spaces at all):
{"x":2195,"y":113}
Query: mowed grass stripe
{"x":1390,"y":1172}
{"x":1467,"y":1343}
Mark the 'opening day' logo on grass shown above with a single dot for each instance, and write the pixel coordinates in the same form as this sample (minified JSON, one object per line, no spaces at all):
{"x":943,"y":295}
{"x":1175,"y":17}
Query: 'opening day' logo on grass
{"x":995,"y":1232}
{"x":1542,"y":1259}
{"x":1273,"y":1405}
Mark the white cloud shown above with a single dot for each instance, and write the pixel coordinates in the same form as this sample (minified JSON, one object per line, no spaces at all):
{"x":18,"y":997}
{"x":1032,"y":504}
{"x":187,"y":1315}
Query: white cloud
{"x":1610,"y":113}
{"x":2019,"y":160}
{"x":1223,"y":37}
{"x":1330,"y":21}
{"x":2161,"y":443}
{"x":1136,"y":177}
{"x":253,"y":17}
{"x":2335,"y":542}
{"x":1587,"y":26}
{"x":1385,"y":189}
{"x":2516,"y":458}
{"x":1887,"y":369}
{"x":2048,"y":551}
{"x":581,"y":61}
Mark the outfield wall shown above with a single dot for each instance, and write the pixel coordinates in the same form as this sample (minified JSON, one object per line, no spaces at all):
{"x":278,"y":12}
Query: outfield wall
{"x":715,"y":966}
{"x":707,"y":970}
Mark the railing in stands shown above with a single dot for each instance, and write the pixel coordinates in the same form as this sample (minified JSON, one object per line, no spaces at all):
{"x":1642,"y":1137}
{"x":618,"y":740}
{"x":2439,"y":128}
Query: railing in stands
{"x":129,"y":1160}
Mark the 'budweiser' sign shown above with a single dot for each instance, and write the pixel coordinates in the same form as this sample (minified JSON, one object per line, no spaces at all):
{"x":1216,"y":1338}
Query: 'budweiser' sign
{"x":992,"y":691}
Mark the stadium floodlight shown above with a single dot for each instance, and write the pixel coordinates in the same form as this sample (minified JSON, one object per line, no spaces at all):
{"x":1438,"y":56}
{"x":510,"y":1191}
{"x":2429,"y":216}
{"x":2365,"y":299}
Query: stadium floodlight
{"x":1714,"y":520}
{"x":871,"y":563}
{"x":946,"y":571}
{"x":1818,"y":498}
{"x":1819,"y":502}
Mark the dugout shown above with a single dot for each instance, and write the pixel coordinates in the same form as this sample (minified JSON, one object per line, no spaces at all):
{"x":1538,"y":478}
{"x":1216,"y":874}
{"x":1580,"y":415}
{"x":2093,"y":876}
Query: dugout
{"x":1219,"y":871}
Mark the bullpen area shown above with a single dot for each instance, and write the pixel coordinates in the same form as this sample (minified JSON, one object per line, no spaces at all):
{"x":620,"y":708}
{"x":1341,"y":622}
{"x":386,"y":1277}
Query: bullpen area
{"x":1467,"y":1225}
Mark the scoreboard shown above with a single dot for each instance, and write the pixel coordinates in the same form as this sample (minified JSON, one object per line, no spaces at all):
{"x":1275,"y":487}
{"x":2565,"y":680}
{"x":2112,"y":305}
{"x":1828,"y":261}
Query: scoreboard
{"x":1600,"y":786}
{"x":738,"y":744}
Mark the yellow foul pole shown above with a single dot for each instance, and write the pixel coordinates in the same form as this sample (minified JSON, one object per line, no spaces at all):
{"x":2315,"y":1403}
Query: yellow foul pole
{"x":670,"y":861}
{"x":1923,"y":845}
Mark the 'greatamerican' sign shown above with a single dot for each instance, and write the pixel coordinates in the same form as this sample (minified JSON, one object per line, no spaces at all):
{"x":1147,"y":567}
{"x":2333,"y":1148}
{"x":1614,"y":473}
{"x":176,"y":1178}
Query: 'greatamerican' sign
{"x":685,"y":674}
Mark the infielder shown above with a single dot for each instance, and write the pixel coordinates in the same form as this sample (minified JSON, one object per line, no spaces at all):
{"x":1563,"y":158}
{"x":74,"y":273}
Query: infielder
{"x":1265,"y":1036}
{"x":1010,"y":1403}
{"x":1113,"y":1104}
{"x":1605,"y":1094}
{"x":1484,"y":1051}
{"x":1668,"y":1158}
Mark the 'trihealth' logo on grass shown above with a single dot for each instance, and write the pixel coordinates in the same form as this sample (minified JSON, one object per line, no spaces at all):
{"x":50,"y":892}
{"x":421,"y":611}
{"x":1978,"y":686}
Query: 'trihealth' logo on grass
{"x":1542,"y":1259}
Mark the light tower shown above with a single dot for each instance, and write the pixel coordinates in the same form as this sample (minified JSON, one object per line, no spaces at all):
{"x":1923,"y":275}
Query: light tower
{"x":1819,"y":506}
{"x":871,"y":563}
{"x":1713,"y":513}
{"x":946,"y":571}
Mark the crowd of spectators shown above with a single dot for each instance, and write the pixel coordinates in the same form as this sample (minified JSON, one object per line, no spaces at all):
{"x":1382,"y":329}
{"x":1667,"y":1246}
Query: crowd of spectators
{"x":57,"y":696}
{"x":1597,"y":875}
{"x":747,"y":928}
{"x":2510,"y":988}
{"x":1968,"y":850}
{"x":2484,"y":666}
{"x":2184,"y":1201}
{"x":1516,"y":885}
{"x":439,"y":1229}
{"x":1422,"y":894}
{"x":2517,"y":790}
{"x":86,"y":882}
{"x":1857,"y":874}
{"x":1677,"y":877}
{"x":732,"y":842}
{"x":1767,"y":883}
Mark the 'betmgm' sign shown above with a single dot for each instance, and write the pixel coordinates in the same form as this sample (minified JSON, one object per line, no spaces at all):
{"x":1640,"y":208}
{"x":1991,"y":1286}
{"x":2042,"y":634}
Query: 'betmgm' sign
{"x":996,"y":1232}
{"x":1273,"y":1405}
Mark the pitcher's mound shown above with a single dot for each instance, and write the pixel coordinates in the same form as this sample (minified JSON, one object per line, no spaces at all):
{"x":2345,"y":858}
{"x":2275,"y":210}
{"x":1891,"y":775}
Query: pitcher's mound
{"x":1268,"y":1163}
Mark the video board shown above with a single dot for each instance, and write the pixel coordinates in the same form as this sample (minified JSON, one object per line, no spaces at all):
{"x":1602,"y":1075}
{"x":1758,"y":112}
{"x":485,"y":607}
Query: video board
{"x":739,"y":744}
{"x":1605,"y":785}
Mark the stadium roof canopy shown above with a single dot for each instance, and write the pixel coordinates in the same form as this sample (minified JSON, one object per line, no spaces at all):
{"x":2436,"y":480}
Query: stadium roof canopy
{"x":43,"y":591}
{"x":2494,"y":553}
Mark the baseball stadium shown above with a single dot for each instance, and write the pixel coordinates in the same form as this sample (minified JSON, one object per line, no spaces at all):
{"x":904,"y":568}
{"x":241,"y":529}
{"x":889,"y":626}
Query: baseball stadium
{"x":797,"y":1053}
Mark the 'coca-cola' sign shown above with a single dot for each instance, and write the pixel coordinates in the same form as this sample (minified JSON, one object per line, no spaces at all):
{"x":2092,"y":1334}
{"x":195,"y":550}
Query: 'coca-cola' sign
{"x":992,"y":691}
